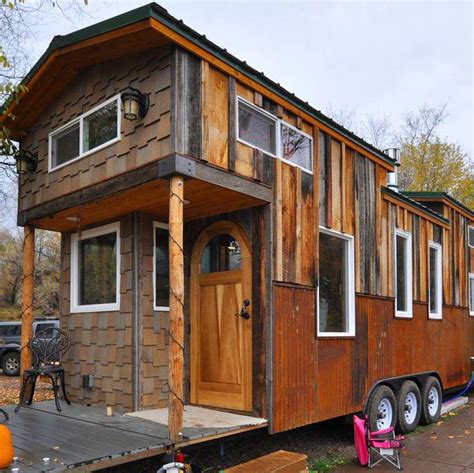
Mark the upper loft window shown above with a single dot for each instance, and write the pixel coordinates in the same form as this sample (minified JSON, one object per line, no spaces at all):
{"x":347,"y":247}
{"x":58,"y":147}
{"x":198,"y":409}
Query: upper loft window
{"x":86,"y":134}
{"x":470,"y":236}
{"x":296,"y":147}
{"x":435,"y":281}
{"x":403,"y":274}
{"x":261,"y":130}
{"x":257,"y":128}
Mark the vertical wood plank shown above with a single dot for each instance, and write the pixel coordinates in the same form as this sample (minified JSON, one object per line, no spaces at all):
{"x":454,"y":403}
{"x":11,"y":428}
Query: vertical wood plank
{"x":205,"y":110}
{"x":278,"y":218}
{"x":328,"y":181}
{"x":232,"y":124}
{"x":27,"y":296}
{"x":316,"y":203}
{"x":176,"y":313}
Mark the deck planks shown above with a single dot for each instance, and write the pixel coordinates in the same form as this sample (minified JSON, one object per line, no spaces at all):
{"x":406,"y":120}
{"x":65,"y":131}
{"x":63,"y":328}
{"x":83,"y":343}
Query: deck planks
{"x":86,"y":438}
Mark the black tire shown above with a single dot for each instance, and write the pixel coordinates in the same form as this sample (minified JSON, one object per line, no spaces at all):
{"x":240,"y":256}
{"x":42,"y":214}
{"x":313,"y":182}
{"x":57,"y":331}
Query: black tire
{"x":409,"y":407}
{"x":430,"y":415}
{"x":11,"y":363}
{"x":379,"y":411}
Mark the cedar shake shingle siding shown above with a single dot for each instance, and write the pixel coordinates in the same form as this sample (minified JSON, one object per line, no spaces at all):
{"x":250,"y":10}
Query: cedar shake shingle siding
{"x":102,"y":341}
{"x":142,"y":141}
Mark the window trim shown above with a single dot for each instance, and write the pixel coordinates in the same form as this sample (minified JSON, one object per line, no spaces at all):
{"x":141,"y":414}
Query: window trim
{"x":350,"y":284}
{"x":75,"y":239}
{"x":408,"y":314}
{"x":80,"y":120}
{"x":471,"y":309}
{"x":469,"y":227}
{"x":439,"y":279}
{"x":163,"y":226}
{"x":278,"y":123}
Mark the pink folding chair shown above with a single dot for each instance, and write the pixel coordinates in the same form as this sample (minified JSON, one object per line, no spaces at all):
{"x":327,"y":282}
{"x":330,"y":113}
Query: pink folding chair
{"x":383,"y":445}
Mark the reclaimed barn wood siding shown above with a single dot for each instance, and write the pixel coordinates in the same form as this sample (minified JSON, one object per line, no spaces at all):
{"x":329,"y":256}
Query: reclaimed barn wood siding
{"x":317,"y":379}
{"x":142,"y":141}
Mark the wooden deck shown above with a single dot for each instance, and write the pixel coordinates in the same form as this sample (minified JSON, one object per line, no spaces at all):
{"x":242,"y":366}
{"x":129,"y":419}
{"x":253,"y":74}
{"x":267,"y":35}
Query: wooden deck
{"x":85,"y":438}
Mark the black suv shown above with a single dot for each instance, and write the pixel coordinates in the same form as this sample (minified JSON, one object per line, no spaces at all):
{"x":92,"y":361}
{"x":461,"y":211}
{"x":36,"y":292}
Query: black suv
{"x":10,"y":342}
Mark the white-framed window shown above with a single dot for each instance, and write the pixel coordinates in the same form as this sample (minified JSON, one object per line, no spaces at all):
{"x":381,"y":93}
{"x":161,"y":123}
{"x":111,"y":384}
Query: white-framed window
{"x":95,"y":269}
{"x":88,"y":133}
{"x":471,"y":294}
{"x":435,"y":281}
{"x":161,"y":280}
{"x":336,"y":290}
{"x":403,"y":274}
{"x":261,"y":130}
{"x":470,"y":236}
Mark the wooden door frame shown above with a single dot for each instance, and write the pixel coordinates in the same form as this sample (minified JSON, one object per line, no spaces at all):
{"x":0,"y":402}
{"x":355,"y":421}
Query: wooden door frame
{"x":214,"y":229}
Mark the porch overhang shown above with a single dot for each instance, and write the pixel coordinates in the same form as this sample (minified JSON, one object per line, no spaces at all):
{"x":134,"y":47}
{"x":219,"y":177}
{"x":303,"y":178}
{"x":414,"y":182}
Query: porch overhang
{"x":209,"y":191}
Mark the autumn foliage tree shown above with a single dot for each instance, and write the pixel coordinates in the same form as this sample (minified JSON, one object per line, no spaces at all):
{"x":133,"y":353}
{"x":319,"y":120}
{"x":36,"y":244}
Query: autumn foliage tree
{"x":430,"y":163}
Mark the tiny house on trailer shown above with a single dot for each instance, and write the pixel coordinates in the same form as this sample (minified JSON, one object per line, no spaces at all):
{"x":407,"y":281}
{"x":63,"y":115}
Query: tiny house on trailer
{"x":226,"y":245}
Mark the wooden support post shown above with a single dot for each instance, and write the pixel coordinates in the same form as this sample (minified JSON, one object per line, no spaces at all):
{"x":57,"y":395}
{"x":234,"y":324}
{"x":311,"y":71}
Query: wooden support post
{"x":176,"y":314}
{"x":27,"y":296}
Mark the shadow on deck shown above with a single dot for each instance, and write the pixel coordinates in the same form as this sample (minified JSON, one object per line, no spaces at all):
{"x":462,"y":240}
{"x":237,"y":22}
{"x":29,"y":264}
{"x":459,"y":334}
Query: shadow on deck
{"x":87,"y":439}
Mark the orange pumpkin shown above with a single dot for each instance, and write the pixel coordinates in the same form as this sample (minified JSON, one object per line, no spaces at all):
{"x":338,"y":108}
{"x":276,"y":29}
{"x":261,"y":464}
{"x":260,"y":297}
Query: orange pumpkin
{"x":6,"y":447}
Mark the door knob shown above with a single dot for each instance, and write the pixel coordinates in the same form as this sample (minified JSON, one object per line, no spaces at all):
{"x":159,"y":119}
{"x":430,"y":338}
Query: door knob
{"x":243,"y":311}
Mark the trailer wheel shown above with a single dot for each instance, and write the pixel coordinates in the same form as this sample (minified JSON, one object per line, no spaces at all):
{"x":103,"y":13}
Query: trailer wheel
{"x":409,"y":407}
{"x":382,"y":408}
{"x":432,"y":398}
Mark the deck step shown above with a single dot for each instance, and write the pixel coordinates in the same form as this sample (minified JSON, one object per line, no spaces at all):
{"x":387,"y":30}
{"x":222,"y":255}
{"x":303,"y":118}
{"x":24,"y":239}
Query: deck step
{"x":276,"y":462}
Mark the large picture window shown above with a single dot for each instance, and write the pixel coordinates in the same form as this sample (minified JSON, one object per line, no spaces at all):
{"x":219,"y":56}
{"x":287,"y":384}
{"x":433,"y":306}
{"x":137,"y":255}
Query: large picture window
{"x":95,"y":270}
{"x":88,"y":133}
{"x":336,"y":299}
{"x":403,"y":274}
{"x":435,"y":281}
{"x":161,"y":274}
{"x":260,"y":129}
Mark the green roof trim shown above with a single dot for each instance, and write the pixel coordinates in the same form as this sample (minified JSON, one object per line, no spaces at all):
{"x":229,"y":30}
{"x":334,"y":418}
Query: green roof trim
{"x":153,"y":10}
{"x":439,"y":195}
{"x":400,"y":196}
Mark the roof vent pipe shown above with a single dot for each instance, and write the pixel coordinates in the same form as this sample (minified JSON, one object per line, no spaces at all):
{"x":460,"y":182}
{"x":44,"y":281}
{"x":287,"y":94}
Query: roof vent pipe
{"x":392,"y":181}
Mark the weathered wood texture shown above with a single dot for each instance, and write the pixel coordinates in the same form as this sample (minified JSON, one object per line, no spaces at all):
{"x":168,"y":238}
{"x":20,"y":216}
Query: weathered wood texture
{"x":27,"y":296}
{"x":142,"y":141}
{"x":317,"y":379}
{"x":294,"y":217}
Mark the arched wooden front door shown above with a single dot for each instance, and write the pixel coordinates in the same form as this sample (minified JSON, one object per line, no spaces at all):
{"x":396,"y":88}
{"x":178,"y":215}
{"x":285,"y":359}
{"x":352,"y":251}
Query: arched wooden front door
{"x":221,"y":324}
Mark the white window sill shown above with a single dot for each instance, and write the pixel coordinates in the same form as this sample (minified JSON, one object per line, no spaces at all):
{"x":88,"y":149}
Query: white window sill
{"x":336,"y":334}
{"x":161,"y":309}
{"x":435,"y":316}
{"x":96,"y":308}
{"x":403,"y":315}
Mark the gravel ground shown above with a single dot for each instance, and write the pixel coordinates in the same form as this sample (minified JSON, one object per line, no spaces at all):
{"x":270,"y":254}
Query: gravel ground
{"x":10,"y":390}
{"x":326,"y":440}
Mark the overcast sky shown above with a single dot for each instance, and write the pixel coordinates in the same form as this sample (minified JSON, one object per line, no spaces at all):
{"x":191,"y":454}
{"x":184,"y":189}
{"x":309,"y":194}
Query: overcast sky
{"x":377,"y":58}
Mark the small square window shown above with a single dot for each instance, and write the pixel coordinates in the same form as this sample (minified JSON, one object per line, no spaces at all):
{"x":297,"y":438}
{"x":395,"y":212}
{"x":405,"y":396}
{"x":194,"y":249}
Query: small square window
{"x":256,"y":128}
{"x":296,"y":147}
{"x":100,"y":127}
{"x":65,"y":145}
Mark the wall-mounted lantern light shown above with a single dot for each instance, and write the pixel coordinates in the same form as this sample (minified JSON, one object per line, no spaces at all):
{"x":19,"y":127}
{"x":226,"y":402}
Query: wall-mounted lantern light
{"x":135,"y":104}
{"x":25,"y":162}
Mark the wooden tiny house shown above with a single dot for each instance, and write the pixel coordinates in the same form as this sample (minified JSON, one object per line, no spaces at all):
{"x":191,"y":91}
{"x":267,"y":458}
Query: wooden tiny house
{"x":232,"y":248}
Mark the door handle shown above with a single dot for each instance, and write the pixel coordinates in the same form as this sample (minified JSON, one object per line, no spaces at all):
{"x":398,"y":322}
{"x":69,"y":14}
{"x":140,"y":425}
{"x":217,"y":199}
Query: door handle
{"x":243,"y":311}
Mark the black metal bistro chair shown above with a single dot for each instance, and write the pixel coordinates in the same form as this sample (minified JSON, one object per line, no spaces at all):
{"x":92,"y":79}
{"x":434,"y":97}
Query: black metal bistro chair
{"x":48,"y":348}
